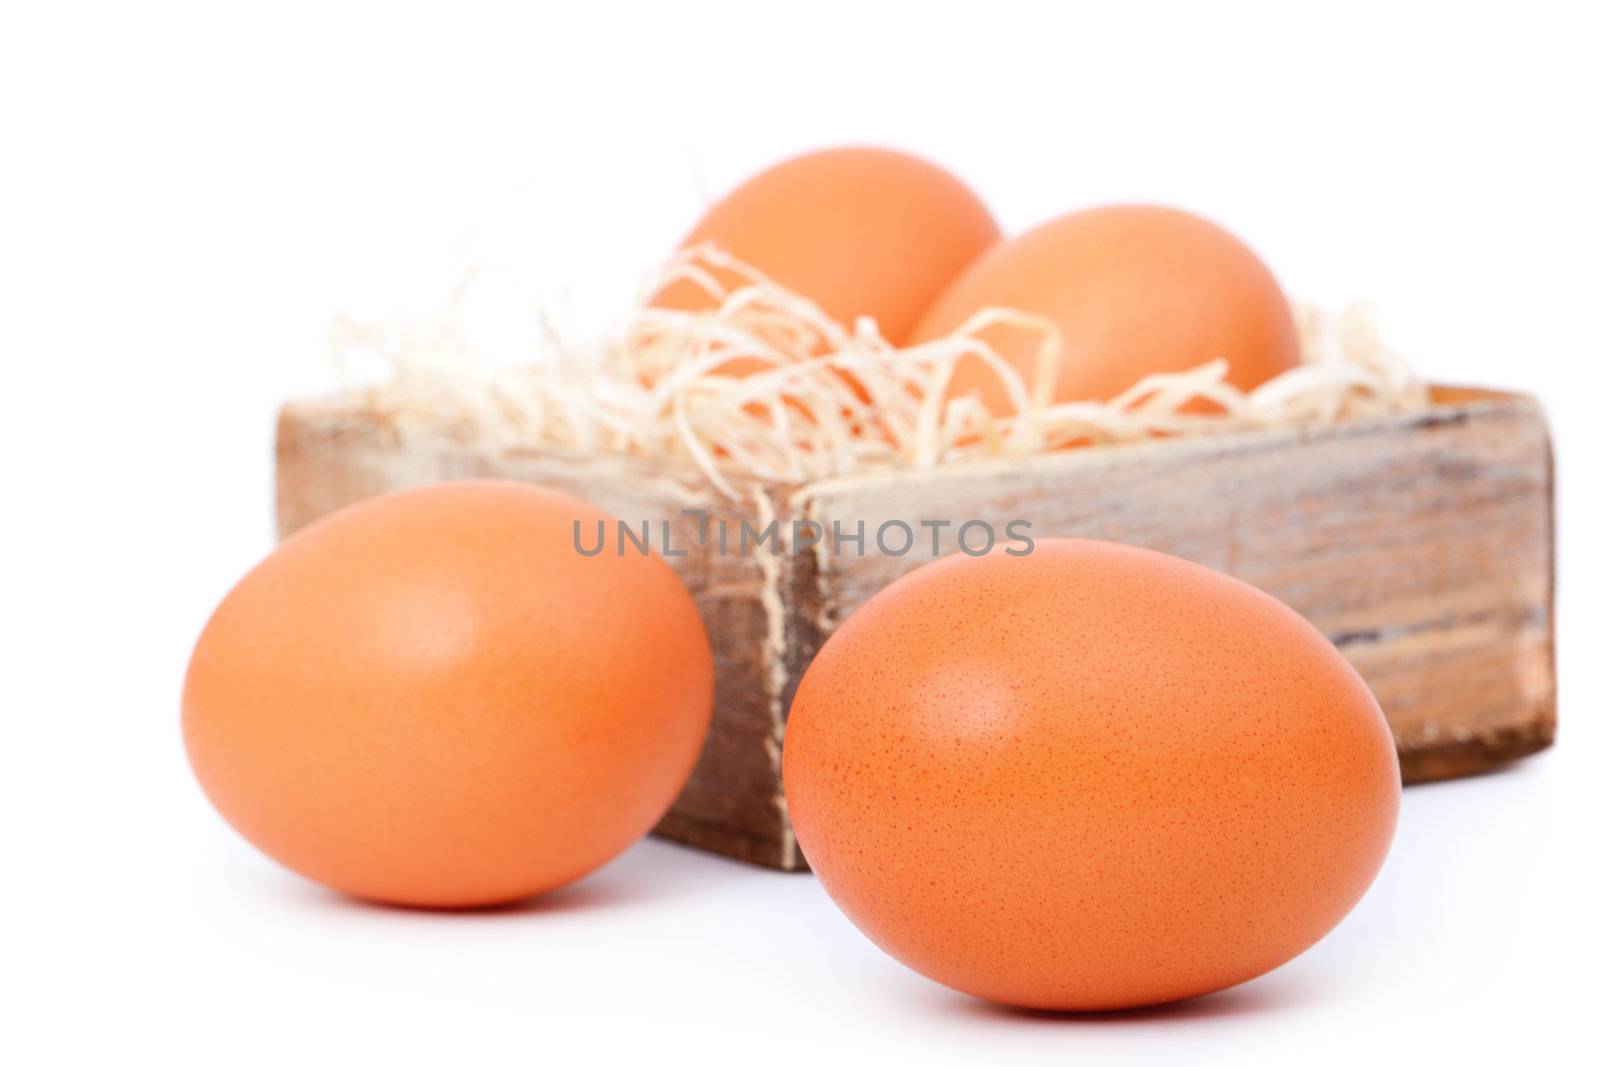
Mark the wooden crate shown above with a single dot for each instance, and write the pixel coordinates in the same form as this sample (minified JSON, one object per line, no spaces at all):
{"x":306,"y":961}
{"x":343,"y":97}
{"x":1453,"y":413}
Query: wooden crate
{"x":1420,"y":543}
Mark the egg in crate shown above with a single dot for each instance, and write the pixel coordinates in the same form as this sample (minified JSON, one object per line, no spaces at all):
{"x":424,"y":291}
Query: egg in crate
{"x":432,"y":698}
{"x":1134,"y":290}
{"x":1089,"y":777}
{"x":858,"y":231}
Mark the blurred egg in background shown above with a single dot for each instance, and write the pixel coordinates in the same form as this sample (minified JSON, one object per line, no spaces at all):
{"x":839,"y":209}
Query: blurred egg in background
{"x":861,"y":231}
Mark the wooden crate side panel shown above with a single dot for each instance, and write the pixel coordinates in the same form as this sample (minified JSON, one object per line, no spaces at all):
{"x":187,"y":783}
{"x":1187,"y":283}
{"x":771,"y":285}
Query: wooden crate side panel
{"x":1421,"y":545}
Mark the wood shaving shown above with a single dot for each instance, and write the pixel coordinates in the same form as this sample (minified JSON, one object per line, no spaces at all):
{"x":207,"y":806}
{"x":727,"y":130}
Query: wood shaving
{"x":822,"y":398}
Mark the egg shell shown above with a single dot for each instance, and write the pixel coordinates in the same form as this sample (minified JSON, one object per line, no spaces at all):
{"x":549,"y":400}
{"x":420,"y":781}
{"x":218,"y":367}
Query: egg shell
{"x":1087,"y":778}
{"x":859,"y":231}
{"x":431,"y":698}
{"x":1135,"y":290}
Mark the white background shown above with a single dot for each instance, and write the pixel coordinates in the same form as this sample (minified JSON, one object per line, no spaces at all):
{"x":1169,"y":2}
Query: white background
{"x":187,"y":197}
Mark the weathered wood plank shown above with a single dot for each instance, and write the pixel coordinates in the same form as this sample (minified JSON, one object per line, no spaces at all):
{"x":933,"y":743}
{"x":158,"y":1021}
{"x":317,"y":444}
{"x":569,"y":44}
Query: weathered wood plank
{"x":1420,"y":543}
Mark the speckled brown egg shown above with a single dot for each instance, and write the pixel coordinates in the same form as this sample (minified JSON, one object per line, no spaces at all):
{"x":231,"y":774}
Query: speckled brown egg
{"x":1089,"y":777}
{"x":431,"y":698}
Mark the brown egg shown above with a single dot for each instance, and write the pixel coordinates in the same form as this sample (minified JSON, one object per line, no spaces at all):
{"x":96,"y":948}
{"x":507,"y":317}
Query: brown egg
{"x":1091,"y":777}
{"x":860,"y":231}
{"x":1135,"y":290}
{"x":432,"y":698}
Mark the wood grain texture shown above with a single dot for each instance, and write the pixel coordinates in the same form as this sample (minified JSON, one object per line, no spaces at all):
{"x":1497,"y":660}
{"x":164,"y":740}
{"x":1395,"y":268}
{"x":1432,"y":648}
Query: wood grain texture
{"x":1421,"y":544}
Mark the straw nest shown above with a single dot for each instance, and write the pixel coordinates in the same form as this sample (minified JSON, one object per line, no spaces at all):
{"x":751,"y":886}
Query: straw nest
{"x":814,"y":397}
